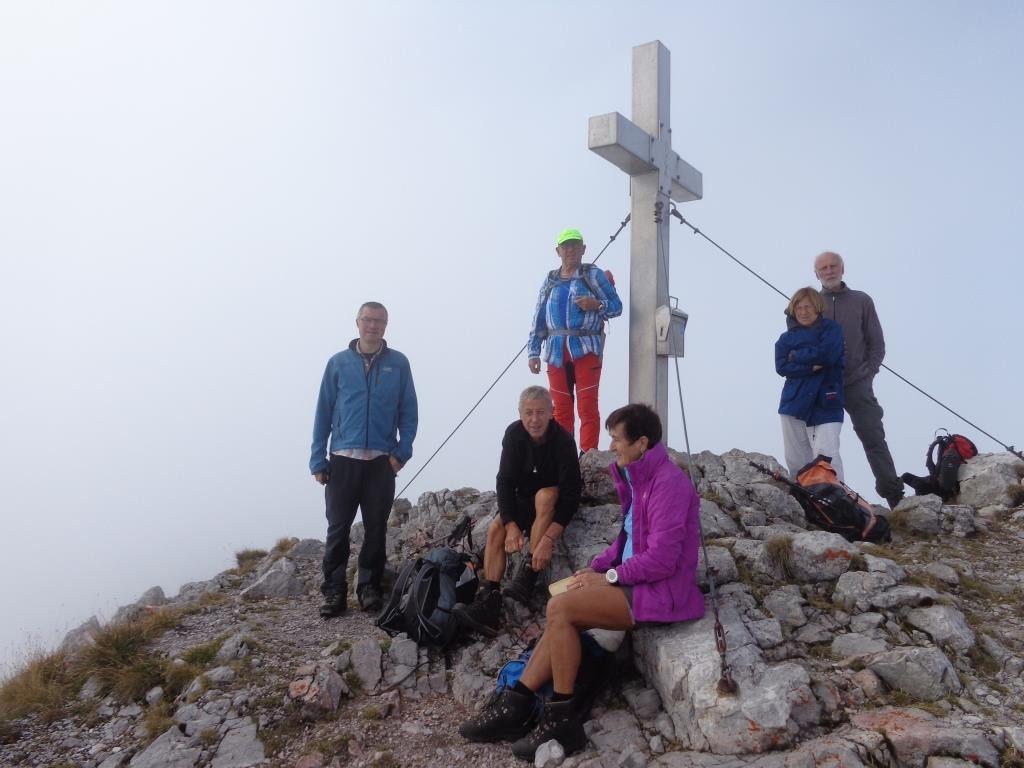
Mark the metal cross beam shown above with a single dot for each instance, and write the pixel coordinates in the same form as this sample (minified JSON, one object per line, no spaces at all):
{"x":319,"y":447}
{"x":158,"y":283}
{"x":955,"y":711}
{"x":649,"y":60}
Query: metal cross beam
{"x":643,"y":149}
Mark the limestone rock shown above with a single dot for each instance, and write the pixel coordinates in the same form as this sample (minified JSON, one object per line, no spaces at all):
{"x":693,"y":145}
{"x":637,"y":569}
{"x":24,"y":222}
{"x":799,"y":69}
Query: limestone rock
{"x":945,"y":624}
{"x":365,"y":662}
{"x":235,"y":647}
{"x":854,"y":644}
{"x":855,"y":589}
{"x":917,"y":735}
{"x":723,"y":567}
{"x":598,"y":487}
{"x":317,"y":689}
{"x":81,"y":636}
{"x":785,"y":604}
{"x":984,"y":480}
{"x":281,"y":580}
{"x":920,"y":515}
{"x":820,"y":556}
{"x":924,"y":673}
{"x":715,"y":522}
{"x":172,"y":749}
{"x":903,"y":595}
{"x":681,"y":661}
{"x":240,"y":748}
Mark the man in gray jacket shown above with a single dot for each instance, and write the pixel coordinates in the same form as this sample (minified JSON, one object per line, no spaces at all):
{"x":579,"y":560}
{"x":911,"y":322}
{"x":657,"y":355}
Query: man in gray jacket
{"x":865,"y":350}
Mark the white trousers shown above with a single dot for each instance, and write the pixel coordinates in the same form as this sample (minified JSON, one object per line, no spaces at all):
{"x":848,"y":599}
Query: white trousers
{"x":802,"y":443}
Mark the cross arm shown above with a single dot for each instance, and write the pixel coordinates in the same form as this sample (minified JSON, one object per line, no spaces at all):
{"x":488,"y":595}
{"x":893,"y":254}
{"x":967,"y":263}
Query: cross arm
{"x":631,"y":149}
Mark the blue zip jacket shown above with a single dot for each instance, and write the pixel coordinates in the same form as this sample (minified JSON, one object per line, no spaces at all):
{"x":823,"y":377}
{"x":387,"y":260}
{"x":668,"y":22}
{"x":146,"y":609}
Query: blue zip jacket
{"x":814,"y":397}
{"x":365,"y":409}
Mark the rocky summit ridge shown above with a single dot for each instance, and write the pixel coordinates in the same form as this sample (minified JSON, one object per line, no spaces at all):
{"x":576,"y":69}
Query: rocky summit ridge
{"x":845,"y":655}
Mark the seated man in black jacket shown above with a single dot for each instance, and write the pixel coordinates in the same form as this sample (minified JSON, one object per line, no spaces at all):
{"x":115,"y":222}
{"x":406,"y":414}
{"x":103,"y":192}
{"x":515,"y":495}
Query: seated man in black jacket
{"x":538,"y":488}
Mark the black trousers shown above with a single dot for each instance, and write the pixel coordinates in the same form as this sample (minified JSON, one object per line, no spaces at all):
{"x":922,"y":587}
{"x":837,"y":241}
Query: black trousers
{"x":866,"y":415}
{"x":368,"y":486}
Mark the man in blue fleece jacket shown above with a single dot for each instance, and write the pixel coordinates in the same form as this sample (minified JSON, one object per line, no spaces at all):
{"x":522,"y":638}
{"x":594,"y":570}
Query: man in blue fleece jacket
{"x":367,"y":407}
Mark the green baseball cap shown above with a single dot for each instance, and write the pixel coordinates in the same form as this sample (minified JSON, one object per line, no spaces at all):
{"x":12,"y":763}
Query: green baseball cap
{"x":568,"y":234}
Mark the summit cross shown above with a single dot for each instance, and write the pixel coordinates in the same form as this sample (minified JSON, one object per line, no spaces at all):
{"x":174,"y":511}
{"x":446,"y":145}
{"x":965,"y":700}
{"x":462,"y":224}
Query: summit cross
{"x":643,"y":149}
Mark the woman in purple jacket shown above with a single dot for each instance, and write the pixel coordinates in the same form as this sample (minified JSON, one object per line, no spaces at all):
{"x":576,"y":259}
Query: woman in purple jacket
{"x":648,"y":574}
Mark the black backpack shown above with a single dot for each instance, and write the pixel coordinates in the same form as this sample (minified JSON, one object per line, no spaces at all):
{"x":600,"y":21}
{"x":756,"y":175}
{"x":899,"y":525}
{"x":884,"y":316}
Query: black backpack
{"x":426,"y":590}
{"x":943,"y":459}
{"x":834,"y":506}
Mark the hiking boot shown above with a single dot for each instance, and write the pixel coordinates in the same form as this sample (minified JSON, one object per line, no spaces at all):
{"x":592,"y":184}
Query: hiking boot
{"x":522,"y":586}
{"x":335,"y":604}
{"x":483,"y":615}
{"x":506,"y":718}
{"x":370,"y":599}
{"x":558,"y":721}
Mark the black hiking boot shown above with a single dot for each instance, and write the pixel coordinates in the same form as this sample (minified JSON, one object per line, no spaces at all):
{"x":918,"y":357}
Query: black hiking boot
{"x":483,"y":615}
{"x":558,"y":721}
{"x":335,"y":604}
{"x":508,"y":717}
{"x":895,"y":499}
{"x":370,"y":599}
{"x":522,"y":586}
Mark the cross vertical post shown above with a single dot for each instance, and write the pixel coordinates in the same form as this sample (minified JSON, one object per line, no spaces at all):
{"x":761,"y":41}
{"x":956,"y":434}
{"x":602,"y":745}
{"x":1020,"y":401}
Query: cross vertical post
{"x":643,"y":149}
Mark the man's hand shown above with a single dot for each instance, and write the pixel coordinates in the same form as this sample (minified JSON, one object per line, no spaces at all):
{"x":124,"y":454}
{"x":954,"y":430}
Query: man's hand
{"x":322,"y":477}
{"x":534,"y":363}
{"x":542,"y":552}
{"x":513,"y":538}
{"x":396,"y":465}
{"x":588,"y":303}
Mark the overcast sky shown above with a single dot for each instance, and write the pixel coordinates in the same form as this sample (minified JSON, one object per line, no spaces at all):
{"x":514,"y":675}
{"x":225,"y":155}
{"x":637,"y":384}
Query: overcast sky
{"x":195,"y":197}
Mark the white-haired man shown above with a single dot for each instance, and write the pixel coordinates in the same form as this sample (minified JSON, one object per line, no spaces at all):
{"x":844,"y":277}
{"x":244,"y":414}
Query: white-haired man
{"x":865,"y":350}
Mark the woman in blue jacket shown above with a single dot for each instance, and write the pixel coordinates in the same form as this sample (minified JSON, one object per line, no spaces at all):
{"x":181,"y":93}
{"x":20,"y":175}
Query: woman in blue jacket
{"x":810,"y":356}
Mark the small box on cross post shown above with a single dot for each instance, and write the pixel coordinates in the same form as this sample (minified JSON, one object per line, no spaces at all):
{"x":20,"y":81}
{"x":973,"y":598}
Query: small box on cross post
{"x":670,"y":326}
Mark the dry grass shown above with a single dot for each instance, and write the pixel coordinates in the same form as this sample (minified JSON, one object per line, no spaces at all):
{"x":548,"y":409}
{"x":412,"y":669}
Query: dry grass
{"x":40,"y":686}
{"x":780,"y":552}
{"x":157,"y":720}
{"x":246,"y":561}
{"x":119,"y":659}
{"x":284,"y":545}
{"x":1016,"y":493}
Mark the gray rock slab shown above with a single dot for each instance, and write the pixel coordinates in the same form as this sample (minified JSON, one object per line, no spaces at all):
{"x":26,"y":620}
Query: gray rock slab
{"x":945,"y":625}
{"x":282,"y":580}
{"x":716,"y":523}
{"x":820,"y":556}
{"x":767,"y":633}
{"x":924,"y":673}
{"x":864,"y":622}
{"x":855,"y":644}
{"x":318,"y":689}
{"x":786,"y":605}
{"x":682,"y":663}
{"x":885,"y":565}
{"x":309,"y":549}
{"x":984,"y":480}
{"x":589,"y":533}
{"x":723,"y":567}
{"x":916,"y":735}
{"x":921,"y":515}
{"x":235,"y":647}
{"x":854,"y":589}
{"x":171,"y":749}
{"x":903,"y":595}
{"x":598,"y":487}
{"x":365,"y":662}
{"x":943,"y":573}
{"x":240,"y":748}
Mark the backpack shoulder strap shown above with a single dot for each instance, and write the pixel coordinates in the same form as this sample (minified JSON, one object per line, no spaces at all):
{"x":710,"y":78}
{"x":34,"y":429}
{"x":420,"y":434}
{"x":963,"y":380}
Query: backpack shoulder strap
{"x":393,"y":609}
{"x":934,"y":453}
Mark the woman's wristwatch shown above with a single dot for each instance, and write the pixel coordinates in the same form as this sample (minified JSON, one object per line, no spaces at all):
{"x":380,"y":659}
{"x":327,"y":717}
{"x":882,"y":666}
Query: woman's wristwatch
{"x":612,"y":576}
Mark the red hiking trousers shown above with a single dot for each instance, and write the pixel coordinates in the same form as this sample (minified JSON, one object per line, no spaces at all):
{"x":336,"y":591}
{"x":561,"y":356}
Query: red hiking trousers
{"x":577,"y":380}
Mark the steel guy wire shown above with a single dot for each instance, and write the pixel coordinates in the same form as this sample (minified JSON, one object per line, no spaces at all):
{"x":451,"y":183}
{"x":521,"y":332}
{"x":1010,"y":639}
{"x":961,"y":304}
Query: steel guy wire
{"x":622,"y":226}
{"x":697,"y":231}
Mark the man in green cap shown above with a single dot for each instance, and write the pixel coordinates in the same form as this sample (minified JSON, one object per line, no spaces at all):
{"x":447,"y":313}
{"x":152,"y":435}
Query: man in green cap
{"x":568,"y":321}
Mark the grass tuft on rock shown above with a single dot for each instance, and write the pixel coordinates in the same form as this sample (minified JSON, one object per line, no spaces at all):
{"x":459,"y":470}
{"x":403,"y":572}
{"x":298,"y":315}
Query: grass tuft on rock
{"x":780,"y":551}
{"x":246,"y":561}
